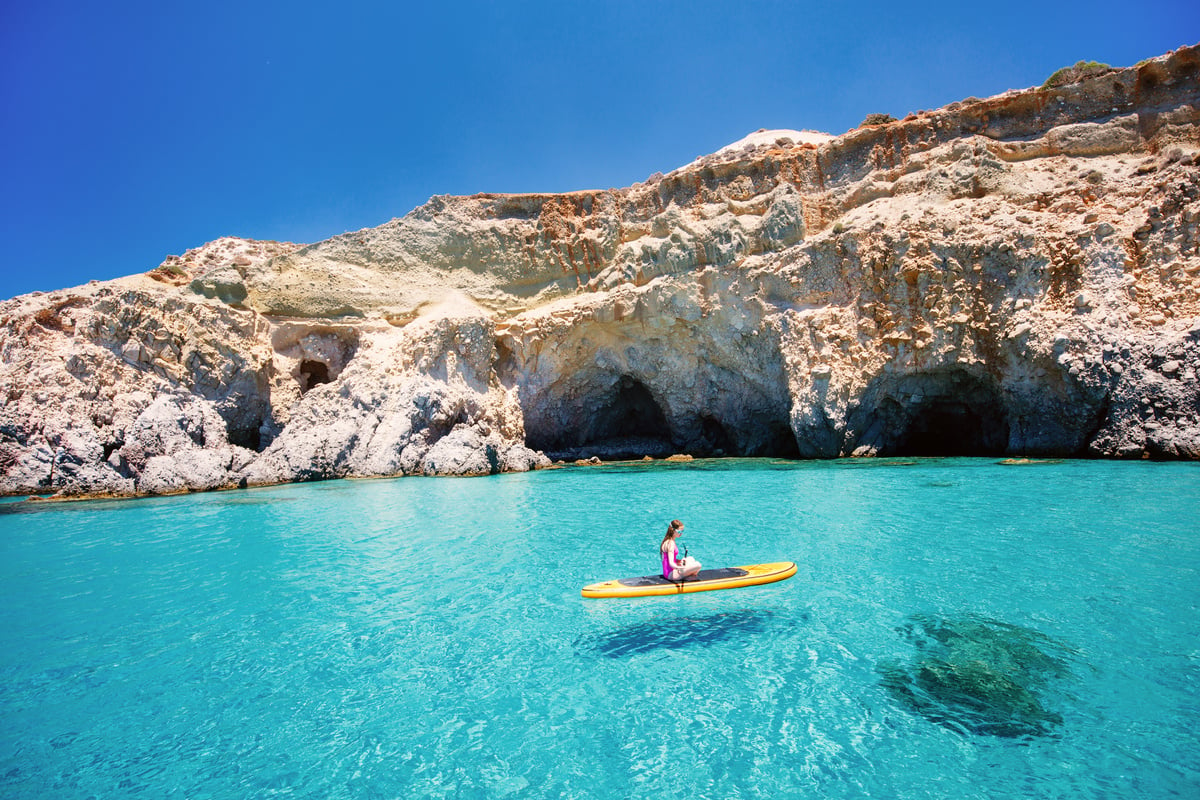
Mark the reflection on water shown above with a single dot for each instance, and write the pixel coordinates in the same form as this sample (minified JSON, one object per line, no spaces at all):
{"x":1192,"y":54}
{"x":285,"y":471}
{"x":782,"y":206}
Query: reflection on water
{"x":976,"y":675}
{"x":678,"y":633}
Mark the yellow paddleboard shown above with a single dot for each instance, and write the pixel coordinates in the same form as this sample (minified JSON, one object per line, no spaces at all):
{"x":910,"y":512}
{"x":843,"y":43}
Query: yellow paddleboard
{"x":707,"y":580}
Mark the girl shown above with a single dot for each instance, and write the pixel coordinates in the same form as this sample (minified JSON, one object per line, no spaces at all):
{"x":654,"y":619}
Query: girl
{"x":674,"y":568}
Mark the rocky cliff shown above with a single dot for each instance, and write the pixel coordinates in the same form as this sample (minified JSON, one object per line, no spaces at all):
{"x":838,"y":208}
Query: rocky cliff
{"x":1018,"y":275}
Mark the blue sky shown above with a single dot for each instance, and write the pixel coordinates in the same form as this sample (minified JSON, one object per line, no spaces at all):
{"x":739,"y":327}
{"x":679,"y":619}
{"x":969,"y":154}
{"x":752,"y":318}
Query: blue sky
{"x":134,"y":130}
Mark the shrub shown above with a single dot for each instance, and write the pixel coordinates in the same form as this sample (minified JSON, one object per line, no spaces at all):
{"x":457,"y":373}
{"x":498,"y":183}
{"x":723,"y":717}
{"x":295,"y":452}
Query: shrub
{"x":1080,"y":70}
{"x":877,"y":119}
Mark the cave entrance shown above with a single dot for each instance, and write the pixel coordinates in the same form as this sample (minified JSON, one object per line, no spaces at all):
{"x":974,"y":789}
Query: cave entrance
{"x":615,"y":420}
{"x":950,"y":413}
{"x":952,"y":428}
{"x":716,"y":438}
{"x":631,"y":412}
{"x":249,"y":437}
{"x":312,"y":373}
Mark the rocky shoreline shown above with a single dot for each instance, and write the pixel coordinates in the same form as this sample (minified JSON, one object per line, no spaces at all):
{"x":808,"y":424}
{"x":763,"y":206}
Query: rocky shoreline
{"x":1015,"y":276}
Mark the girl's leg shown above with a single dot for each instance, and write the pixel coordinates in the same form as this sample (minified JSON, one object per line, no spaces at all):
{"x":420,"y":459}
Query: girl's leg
{"x":689,"y":569}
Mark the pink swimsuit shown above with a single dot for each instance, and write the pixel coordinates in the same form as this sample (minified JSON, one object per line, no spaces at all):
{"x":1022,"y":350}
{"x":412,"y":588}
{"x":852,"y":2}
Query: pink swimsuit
{"x":667,"y":563}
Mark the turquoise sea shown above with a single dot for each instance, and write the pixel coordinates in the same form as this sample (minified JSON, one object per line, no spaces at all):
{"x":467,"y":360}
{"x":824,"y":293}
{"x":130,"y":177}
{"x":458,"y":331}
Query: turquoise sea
{"x":958,"y":628}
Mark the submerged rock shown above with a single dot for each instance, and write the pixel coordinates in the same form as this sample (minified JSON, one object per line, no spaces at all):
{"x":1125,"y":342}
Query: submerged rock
{"x":978,"y":676}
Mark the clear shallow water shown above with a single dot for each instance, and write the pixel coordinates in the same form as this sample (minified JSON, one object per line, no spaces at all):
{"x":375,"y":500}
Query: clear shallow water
{"x":957,"y":628}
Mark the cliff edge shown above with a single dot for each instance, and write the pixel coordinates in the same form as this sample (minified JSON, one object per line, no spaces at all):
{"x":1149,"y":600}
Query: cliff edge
{"x":1018,"y":275}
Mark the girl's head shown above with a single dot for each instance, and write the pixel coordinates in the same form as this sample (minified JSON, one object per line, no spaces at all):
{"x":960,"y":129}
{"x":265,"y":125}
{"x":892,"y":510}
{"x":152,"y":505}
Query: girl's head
{"x":673,"y":530}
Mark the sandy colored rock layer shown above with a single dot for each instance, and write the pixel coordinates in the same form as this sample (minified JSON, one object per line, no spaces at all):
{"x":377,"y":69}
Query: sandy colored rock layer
{"x":1012,"y":276}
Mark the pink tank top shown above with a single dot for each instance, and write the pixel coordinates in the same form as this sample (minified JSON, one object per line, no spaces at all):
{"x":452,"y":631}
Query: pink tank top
{"x":666,"y":554}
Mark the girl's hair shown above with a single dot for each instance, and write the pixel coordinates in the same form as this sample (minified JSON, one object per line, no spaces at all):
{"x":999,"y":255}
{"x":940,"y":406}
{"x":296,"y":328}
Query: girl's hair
{"x":674,"y":526}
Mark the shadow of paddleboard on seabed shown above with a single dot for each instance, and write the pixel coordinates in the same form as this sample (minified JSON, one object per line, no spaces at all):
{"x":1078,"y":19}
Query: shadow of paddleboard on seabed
{"x":679,"y":633}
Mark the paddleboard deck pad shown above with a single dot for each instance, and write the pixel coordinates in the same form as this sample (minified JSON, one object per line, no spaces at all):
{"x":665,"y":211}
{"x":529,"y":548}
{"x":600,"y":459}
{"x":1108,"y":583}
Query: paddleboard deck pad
{"x":705,"y":581}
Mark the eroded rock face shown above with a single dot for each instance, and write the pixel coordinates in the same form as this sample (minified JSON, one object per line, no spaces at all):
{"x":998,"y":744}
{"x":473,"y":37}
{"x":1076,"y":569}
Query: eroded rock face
{"x":1018,"y":275}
